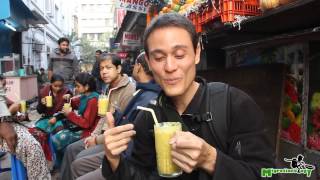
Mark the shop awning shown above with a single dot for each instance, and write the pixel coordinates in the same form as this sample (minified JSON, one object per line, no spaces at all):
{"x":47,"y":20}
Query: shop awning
{"x":15,"y":15}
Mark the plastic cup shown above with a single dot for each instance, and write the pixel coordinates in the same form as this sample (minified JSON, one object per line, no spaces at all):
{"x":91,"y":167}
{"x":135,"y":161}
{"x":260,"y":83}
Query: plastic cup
{"x":49,"y":101}
{"x":23,"y":106}
{"x":163,"y":133}
{"x":67,"y":106}
{"x":103,"y":105}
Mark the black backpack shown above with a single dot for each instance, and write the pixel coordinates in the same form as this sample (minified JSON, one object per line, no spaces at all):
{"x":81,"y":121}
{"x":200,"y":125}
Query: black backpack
{"x":216,"y":112}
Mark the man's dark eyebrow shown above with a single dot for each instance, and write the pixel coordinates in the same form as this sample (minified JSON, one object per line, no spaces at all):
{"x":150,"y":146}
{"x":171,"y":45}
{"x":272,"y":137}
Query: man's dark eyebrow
{"x":175,"y":48}
{"x":180,"y":47}
{"x":157,"y":51}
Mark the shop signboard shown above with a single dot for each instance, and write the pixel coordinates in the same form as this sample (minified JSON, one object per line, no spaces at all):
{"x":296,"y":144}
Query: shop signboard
{"x":140,"y":6}
{"x":130,"y":39}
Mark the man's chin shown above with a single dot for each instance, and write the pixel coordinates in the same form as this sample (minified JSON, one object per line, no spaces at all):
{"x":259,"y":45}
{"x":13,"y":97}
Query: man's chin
{"x":172,"y":92}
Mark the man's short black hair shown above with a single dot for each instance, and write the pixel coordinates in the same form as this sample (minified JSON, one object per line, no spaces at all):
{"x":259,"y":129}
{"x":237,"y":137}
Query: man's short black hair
{"x":171,"y":20}
{"x":63,"y":39}
{"x":115,"y":59}
{"x":141,"y":60}
{"x":41,"y":69}
{"x":98,"y":51}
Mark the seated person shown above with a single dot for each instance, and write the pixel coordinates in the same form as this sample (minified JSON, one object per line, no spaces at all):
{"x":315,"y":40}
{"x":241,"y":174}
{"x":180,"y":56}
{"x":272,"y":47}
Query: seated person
{"x":78,"y":124}
{"x":122,"y":91}
{"x":87,"y":167}
{"x":16,"y":139}
{"x":43,"y":126}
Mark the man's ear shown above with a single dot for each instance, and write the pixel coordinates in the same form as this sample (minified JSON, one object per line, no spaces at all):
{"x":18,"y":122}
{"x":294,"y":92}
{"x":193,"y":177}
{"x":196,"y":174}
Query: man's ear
{"x":198,"y":53}
{"x":138,"y":67}
{"x":119,"y":68}
{"x":147,"y":60}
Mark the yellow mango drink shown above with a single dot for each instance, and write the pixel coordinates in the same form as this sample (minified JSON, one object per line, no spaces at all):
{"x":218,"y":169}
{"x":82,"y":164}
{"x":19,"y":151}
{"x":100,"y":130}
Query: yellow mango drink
{"x":23,"y":106}
{"x":103,"y":102}
{"x":67,"y":106}
{"x":49,"y":103}
{"x":163,"y":133}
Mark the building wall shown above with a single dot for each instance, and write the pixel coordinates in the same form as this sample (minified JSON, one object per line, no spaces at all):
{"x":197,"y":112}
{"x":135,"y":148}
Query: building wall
{"x":40,"y":40}
{"x":96,"y":20}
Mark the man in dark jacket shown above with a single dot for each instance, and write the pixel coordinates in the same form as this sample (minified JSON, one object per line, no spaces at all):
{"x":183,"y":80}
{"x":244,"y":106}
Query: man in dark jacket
{"x":173,"y":50}
{"x":64,"y":62}
{"x":96,"y":72}
{"x":87,"y":166}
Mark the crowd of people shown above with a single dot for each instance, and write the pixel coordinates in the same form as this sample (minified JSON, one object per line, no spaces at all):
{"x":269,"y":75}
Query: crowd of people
{"x":84,"y":144}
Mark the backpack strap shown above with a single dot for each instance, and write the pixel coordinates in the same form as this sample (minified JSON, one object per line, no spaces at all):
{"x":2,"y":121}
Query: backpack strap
{"x":217,"y":112}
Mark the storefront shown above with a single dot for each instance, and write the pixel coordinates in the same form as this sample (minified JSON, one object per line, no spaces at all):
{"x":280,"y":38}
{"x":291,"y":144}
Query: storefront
{"x":16,"y":17}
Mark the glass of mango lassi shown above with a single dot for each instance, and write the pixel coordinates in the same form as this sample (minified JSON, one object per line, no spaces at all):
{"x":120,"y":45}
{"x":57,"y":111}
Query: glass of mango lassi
{"x":103,"y":102}
{"x":163,"y":132}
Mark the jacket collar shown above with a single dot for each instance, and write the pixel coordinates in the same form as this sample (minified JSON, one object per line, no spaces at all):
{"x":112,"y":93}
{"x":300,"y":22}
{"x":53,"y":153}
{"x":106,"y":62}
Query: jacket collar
{"x":124,"y":81}
{"x":164,"y":101}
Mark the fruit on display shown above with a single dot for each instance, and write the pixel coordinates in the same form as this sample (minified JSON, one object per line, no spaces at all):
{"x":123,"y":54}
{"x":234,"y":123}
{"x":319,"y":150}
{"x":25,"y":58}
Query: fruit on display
{"x":292,"y":112}
{"x":294,"y":132}
{"x":285,"y":123}
{"x":314,"y":141}
{"x":269,"y":4}
{"x":315,"y":101}
{"x":179,"y":6}
{"x":314,"y":124}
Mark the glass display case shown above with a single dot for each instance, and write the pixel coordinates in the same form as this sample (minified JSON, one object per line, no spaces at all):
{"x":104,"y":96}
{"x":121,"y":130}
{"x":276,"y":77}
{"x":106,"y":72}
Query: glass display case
{"x":10,"y":65}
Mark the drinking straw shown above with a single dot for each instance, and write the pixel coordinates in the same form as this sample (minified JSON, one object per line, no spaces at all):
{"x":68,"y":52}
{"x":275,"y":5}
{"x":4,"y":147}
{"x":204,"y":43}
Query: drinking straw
{"x":152,"y":112}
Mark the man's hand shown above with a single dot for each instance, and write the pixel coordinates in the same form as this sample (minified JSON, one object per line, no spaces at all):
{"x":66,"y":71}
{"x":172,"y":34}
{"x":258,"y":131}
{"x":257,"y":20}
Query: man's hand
{"x":116,"y":140}
{"x":190,"y":152}
{"x":8,"y":133}
{"x":52,"y":121}
{"x":90,"y":142}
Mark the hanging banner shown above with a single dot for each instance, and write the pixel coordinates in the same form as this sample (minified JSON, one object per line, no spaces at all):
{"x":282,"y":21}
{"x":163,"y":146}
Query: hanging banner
{"x":130,"y":39}
{"x":140,"y":6}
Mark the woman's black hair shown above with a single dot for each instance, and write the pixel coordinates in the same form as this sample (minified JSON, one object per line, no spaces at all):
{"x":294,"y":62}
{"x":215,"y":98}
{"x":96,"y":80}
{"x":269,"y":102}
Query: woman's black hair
{"x":1,"y":77}
{"x":56,"y":77}
{"x":87,"y":79}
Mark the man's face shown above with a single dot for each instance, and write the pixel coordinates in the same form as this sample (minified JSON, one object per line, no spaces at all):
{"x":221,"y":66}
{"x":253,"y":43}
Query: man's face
{"x":64,"y":46}
{"x":97,"y":55}
{"x":172,"y":59}
{"x":108,"y":71}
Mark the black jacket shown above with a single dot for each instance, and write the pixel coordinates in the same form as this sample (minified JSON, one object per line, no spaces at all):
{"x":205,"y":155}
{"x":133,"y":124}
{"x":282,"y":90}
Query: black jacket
{"x":248,"y":148}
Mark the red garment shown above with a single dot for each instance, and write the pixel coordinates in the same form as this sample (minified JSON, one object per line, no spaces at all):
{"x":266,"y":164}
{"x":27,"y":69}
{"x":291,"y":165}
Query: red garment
{"x":90,"y":116}
{"x":57,"y":100}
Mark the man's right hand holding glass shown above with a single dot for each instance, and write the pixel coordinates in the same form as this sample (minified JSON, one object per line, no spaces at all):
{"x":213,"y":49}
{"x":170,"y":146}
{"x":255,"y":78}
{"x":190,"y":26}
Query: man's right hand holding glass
{"x":116,"y":140}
